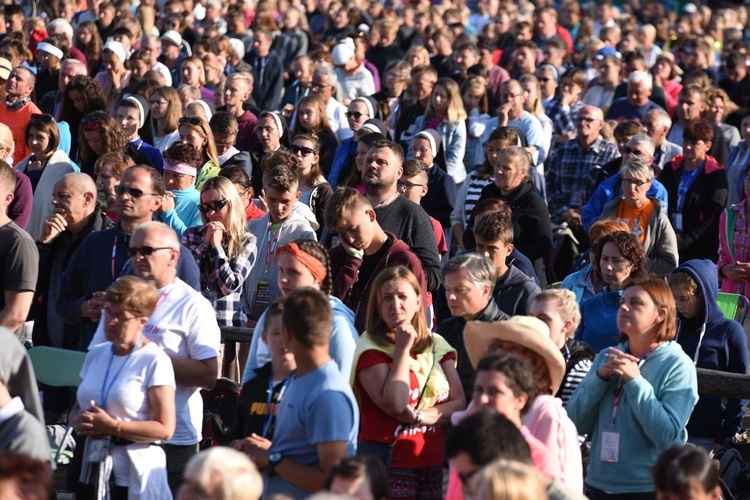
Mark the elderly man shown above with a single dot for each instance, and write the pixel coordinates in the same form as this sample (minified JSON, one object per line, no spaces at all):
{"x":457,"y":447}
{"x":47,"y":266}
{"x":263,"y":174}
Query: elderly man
{"x":184,"y":326}
{"x":640,"y":145}
{"x":568,"y":172}
{"x":102,"y":256}
{"x":324,"y":84}
{"x":74,"y":217}
{"x":469,"y":280}
{"x":17,"y":109}
{"x":657,"y":123}
{"x":50,"y":102}
{"x":637,"y":103}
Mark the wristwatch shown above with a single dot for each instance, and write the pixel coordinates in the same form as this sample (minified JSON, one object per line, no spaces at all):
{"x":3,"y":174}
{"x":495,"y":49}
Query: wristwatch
{"x":419,"y":418}
{"x":273,"y":461}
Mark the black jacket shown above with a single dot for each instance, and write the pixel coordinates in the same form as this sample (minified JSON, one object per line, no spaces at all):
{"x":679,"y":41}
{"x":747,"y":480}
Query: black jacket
{"x":513,"y":292}
{"x":452,"y":330}
{"x":704,"y":202}
{"x":269,"y":80}
{"x":532,"y":225}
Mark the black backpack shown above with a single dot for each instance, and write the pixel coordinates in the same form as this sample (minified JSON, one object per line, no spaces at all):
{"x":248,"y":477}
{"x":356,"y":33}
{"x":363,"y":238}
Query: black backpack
{"x":219,"y":410}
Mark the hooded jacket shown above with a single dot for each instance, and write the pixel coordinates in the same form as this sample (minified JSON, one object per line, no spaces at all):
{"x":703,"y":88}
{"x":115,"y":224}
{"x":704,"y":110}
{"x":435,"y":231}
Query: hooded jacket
{"x":661,"y":242}
{"x":704,"y":202}
{"x":513,"y":292}
{"x":452,"y":330}
{"x":716,"y":343}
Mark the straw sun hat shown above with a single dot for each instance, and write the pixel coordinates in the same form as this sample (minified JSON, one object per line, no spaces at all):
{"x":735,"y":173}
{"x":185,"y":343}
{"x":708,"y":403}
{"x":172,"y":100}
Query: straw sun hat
{"x":525,"y":331}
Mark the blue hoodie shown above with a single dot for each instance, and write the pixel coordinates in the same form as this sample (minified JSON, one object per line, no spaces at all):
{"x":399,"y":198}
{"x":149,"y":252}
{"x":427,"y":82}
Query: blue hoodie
{"x":723,"y":348}
{"x":343,"y":341}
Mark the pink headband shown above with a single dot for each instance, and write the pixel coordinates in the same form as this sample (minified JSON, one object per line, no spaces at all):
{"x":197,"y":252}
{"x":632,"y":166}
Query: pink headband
{"x":180,"y":168}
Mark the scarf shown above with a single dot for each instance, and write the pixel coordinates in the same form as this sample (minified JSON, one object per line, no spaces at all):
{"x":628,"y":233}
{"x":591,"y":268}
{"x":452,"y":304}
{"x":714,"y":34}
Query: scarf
{"x":430,"y":376}
{"x":17,"y":104}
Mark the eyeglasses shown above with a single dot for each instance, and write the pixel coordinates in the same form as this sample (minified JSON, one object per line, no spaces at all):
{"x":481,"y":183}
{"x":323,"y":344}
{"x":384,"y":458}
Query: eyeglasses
{"x":355,"y":114}
{"x":225,"y":144}
{"x":294,"y":149}
{"x":317,"y":86}
{"x":406,"y":185}
{"x":214,"y":205}
{"x":46,"y":118}
{"x":630,"y":151}
{"x":191,"y":120}
{"x":132,"y":192}
{"x":633,"y":182}
{"x":155,"y":104}
{"x":145,"y":251}
{"x":108,"y":317}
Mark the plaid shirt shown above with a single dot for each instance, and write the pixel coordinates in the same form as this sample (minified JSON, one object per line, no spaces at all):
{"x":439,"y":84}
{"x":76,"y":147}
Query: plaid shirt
{"x":563,"y":118}
{"x":222,"y":278}
{"x":569,"y":179}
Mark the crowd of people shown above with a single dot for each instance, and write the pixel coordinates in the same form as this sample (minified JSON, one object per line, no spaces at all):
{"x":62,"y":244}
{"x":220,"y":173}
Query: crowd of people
{"x":450,"y":249}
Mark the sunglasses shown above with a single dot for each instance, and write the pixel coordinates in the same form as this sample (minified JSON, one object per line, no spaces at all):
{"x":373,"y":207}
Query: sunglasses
{"x":191,"y":120}
{"x":46,"y":118}
{"x":132,"y":192}
{"x":301,"y":149}
{"x":355,"y":114}
{"x":91,"y":126}
{"x":630,"y":151}
{"x":215,"y":206}
{"x":145,"y":251}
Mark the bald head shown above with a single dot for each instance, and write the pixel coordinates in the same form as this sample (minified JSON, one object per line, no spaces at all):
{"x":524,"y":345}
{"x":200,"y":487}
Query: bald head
{"x":74,"y":197}
{"x":78,"y":182}
{"x":160,"y":232}
{"x":160,"y":266}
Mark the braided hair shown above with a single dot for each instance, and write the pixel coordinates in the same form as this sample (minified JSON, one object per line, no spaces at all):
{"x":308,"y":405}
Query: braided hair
{"x":318,"y":251}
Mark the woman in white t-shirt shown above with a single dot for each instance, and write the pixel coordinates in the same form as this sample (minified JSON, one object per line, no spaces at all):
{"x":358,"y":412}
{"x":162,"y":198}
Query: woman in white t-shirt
{"x":126,"y":400}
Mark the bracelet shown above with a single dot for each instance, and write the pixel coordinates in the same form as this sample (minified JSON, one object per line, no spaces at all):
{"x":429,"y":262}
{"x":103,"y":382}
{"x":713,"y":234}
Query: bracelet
{"x":118,"y":429}
{"x":419,"y":418}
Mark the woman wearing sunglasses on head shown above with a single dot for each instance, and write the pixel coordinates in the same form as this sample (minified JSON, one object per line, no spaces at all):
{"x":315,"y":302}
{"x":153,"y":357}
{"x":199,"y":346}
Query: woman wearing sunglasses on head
{"x":225,"y":253}
{"x":101,"y":135}
{"x":196,"y":132}
{"x":314,"y":188}
{"x":44,"y":166}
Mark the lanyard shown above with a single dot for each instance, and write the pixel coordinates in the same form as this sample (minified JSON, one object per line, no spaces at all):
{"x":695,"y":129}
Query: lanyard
{"x":271,"y":416}
{"x":271,"y":245}
{"x":686,"y":181}
{"x":619,"y":390}
{"x":114,"y":251}
{"x":106,"y":390}
{"x":700,"y":342}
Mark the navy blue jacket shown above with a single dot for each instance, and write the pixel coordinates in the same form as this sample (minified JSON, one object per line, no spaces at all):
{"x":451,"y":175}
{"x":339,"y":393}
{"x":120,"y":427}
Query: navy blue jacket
{"x":441,"y":196}
{"x":723,"y":348}
{"x":91,"y":269}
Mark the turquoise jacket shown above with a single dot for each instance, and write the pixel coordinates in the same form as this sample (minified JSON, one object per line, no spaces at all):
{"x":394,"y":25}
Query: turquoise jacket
{"x":185,"y":213}
{"x":652,"y":414}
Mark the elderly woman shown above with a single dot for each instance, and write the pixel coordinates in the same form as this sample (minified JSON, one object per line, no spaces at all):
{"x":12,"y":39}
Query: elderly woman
{"x":221,"y":472}
{"x":645,"y":216}
{"x":406,"y":385}
{"x":125,"y":402}
{"x":651,"y":384}
{"x":697,"y":193}
{"x":531,"y":221}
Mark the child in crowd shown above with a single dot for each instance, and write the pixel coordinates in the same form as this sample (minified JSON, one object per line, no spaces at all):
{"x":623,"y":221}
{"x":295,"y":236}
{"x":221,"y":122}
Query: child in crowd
{"x":363,"y":251}
{"x":414,"y":184}
{"x":278,"y":227}
{"x":514,"y":290}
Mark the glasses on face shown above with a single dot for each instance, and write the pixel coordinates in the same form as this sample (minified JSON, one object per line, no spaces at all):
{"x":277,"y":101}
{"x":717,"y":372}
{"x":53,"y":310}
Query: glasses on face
{"x":355,"y":114}
{"x":630,"y":151}
{"x":214,"y":205}
{"x":633,"y":182}
{"x":225,"y":144}
{"x":190,"y":120}
{"x":155,"y":103}
{"x":145,"y":251}
{"x":300,"y":150}
{"x":407,"y":186}
{"x":315,"y":87}
{"x":586,"y":120}
{"x":109,"y":316}
{"x":132,"y":192}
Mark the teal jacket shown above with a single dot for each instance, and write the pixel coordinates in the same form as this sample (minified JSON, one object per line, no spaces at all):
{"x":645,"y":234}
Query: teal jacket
{"x":653,"y":412}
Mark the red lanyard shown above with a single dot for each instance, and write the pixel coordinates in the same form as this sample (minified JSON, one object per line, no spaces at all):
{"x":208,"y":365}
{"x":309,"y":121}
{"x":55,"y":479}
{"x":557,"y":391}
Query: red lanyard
{"x":619,"y":390}
{"x":271,"y":245}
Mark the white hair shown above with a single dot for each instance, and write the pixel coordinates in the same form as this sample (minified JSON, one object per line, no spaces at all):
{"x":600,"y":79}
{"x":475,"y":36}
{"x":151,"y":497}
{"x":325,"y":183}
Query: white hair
{"x":228,"y":471}
{"x":662,"y":118}
{"x":637,"y":77}
{"x":646,"y":140}
{"x":329,"y":72}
